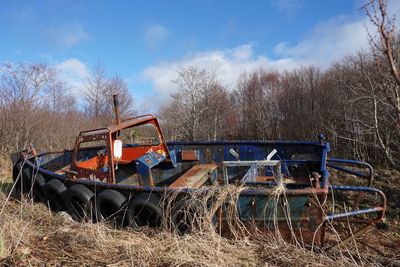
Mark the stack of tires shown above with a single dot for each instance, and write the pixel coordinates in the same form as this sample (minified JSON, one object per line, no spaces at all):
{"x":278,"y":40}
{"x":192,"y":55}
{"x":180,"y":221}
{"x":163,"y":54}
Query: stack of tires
{"x":143,"y":209}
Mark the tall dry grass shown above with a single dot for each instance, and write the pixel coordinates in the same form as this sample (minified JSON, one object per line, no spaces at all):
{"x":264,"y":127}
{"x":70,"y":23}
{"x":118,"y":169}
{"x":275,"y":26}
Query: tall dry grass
{"x":33,"y":235}
{"x":5,"y":169}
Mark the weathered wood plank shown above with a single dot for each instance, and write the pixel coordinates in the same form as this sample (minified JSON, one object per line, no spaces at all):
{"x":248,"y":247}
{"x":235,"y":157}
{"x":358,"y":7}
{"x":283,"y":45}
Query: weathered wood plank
{"x":195,"y":177}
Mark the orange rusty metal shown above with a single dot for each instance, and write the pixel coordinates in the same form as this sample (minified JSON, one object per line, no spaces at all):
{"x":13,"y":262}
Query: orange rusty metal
{"x":265,"y":178}
{"x":189,"y":155}
{"x":92,"y":167}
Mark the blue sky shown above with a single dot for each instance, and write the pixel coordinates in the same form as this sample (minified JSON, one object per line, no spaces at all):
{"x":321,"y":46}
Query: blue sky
{"x":146,"y":42}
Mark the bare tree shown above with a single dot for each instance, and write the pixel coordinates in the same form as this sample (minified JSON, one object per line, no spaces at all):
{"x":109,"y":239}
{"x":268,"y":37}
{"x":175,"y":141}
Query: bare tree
{"x":386,"y":51}
{"x":218,"y":118}
{"x":93,"y":92}
{"x":118,"y":86}
{"x":23,"y":87}
{"x":299,"y":102}
{"x":199,"y":108}
{"x":97,"y":94}
{"x":257,"y":93}
{"x":36,"y":108}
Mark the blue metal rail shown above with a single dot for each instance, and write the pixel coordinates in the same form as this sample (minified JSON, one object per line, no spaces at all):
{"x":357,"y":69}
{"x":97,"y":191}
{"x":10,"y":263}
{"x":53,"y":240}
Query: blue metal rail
{"x":369,"y":175}
{"x":363,"y":189}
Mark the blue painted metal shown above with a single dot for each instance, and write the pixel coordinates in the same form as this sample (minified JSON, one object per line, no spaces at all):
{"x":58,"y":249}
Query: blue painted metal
{"x":331,"y":164}
{"x":379,"y":209}
{"x":172,"y":155}
{"x":255,"y":202}
{"x":331,"y":217}
{"x":271,"y":210}
{"x":244,"y":142}
{"x":218,"y":151}
{"x":355,"y":188}
{"x":145,"y":163}
{"x":324,"y":171}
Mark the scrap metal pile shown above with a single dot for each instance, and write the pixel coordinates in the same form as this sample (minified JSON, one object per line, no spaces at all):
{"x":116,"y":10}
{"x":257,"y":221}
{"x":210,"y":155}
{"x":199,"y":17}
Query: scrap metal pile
{"x":126,"y":173}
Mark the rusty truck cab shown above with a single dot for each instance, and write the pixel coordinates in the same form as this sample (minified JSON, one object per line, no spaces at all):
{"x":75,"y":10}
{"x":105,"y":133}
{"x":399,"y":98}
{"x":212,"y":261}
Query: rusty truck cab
{"x":111,"y":150}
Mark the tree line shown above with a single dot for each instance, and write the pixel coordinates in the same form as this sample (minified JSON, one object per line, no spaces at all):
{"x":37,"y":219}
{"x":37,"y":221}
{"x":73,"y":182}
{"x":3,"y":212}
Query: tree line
{"x":37,"y":107}
{"x":344,"y":102}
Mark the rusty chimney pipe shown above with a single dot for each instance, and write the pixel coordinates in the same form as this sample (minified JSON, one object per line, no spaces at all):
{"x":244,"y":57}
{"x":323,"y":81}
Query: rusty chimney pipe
{"x":116,"y":109}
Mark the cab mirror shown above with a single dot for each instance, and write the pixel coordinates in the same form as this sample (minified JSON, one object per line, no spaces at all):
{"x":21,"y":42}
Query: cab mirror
{"x":118,"y":149}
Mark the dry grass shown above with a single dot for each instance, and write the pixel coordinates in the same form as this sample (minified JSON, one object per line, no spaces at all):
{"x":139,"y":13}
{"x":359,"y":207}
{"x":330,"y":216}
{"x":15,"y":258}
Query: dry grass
{"x":33,"y":235}
{"x":5,"y":169}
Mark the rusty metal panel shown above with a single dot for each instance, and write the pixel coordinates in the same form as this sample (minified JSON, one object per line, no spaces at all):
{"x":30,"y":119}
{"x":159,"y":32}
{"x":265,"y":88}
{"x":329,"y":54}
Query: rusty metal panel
{"x":189,"y":155}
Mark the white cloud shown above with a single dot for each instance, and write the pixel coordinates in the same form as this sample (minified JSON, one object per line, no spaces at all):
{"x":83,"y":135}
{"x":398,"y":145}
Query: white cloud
{"x":155,"y":34}
{"x":328,"y":42}
{"x":67,"y":35}
{"x":228,"y":65}
{"x":74,"y":72}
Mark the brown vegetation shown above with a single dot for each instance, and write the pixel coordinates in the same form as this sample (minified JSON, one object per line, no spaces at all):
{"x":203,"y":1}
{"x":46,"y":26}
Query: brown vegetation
{"x":33,"y":235}
{"x":344,"y":102}
{"x":35,"y":108}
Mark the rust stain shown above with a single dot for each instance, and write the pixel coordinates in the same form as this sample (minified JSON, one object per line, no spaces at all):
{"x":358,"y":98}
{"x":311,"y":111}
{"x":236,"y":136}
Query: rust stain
{"x":189,"y":155}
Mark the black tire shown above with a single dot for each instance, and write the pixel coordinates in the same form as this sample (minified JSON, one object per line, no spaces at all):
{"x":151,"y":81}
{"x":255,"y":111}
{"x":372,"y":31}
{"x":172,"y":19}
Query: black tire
{"x":145,"y":210}
{"x":23,"y":185}
{"x":17,"y":170}
{"x":53,"y":190}
{"x":28,"y":182}
{"x":27,"y":174}
{"x":109,"y":206}
{"x":77,"y":200}
{"x":19,"y":187}
{"x":37,"y":188}
{"x":187,"y":214}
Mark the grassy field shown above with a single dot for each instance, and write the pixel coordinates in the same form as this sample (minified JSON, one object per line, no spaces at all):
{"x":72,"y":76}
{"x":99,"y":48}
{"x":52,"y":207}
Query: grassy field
{"x":33,"y":235}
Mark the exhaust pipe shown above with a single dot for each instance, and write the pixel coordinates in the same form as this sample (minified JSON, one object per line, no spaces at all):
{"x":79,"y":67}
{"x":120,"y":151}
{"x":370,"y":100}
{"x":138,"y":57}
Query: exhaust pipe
{"x":116,"y":109}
